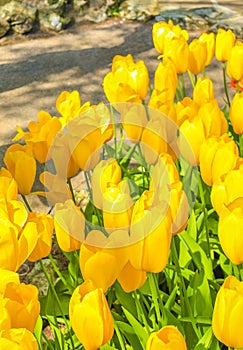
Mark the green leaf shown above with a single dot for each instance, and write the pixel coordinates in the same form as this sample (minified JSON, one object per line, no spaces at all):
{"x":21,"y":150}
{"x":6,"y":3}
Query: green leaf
{"x":128,"y":332}
{"x":125,"y":299}
{"x":38,"y":332}
{"x":137,"y":327}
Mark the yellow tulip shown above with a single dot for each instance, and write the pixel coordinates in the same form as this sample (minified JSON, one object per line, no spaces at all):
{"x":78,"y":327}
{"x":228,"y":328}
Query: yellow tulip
{"x":186,"y":109}
{"x":87,"y":134}
{"x":131,"y":279}
{"x":235,"y":62}
{"x":227,"y":319}
{"x":230,"y":234}
{"x":6,"y":277}
{"x":197,"y":56}
{"x":166,"y":31}
{"x":18,"y":339}
{"x":218,"y":155}
{"x":8,"y":186}
{"x":227,"y":191}
{"x":209,"y":40}
{"x":69,"y":225}
{"x":161,"y":100}
{"x":165,"y":77}
{"x":90,"y":316}
{"x":177,"y":50}
{"x":236,"y":112}
{"x":105,"y":173}
{"x":179,"y":208}
{"x":134,"y":119}
{"x":44,"y":226}
{"x":127,"y":82}
{"x":168,"y":337}
{"x":213,"y":119}
{"x":69,"y":106}
{"x":102,"y":258}
{"x":22,"y":166}
{"x":56,"y":187}
{"x":150,"y":234}
{"x":5,"y":320}
{"x":117,"y":207}
{"x":225,"y":40}
{"x":203,"y":91}
{"x":21,"y":302}
{"x":40,"y":135}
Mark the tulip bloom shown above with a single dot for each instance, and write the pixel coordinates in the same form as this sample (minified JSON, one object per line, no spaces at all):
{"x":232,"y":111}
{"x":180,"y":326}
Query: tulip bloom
{"x":6,"y":277}
{"x":227,"y":192}
{"x":8,"y":186}
{"x":102,"y":259}
{"x":203,"y":91}
{"x":130,"y":278}
{"x":230,"y":234}
{"x":22,"y":166}
{"x":209,"y":40}
{"x":197,"y":56}
{"x":165,"y":77}
{"x":168,"y":337}
{"x":105,"y":173}
{"x":163,"y":31}
{"x":22,"y":304}
{"x":134,"y":119}
{"x":227,"y":319}
{"x":69,"y":106}
{"x":40,"y":135}
{"x":18,"y":339}
{"x":177,"y":50}
{"x":218,"y":155}
{"x":225,"y":40}
{"x":186,"y":109}
{"x":90,"y":316}
{"x":235,"y":62}
{"x":127,"y":82}
{"x":44,"y":227}
{"x":69,"y":225}
{"x":236,"y":112}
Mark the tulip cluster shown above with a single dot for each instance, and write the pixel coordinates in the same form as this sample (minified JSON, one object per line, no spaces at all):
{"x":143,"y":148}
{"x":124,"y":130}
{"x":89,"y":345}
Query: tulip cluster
{"x":136,"y":272}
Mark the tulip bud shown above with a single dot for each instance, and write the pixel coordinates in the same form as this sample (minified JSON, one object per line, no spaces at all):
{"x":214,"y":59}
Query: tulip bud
{"x":22,"y":166}
{"x":203,"y":91}
{"x":227,"y":319}
{"x":197,"y":56}
{"x":177,"y":50}
{"x":209,"y":40}
{"x":90,"y":316}
{"x":225,"y":40}
{"x":18,"y":339}
{"x":236,"y":112}
{"x":235,"y":62}
{"x":168,"y":337}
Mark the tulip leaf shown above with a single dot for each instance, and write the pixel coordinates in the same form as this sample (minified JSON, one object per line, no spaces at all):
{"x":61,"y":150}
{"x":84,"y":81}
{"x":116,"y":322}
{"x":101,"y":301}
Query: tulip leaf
{"x":38,"y":332}
{"x":206,"y":341}
{"x":128,"y":332}
{"x":137,"y":327}
{"x":125,"y":299}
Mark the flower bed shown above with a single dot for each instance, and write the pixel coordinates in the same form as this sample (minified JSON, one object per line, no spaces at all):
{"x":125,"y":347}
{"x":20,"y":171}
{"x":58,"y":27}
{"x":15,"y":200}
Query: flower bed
{"x":155,"y":250}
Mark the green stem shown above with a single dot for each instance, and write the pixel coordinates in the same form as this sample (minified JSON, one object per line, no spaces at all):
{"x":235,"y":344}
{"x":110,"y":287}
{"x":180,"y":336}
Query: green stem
{"x":183,"y":85}
{"x":140,"y":309}
{"x":225,"y":83}
{"x":241,"y":145}
{"x":119,"y":337}
{"x":71,"y":189}
{"x":183,"y":292}
{"x":114,"y":130}
{"x":88,"y":181}
{"x":155,"y":296}
{"x":56,"y":269}
{"x":26,"y":202}
{"x":191,"y":79}
{"x":205,"y":213}
{"x":58,"y":301}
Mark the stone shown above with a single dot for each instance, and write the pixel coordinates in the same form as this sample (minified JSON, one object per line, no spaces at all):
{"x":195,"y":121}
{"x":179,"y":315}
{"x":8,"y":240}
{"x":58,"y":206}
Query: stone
{"x":21,"y":17}
{"x":4,"y":27}
{"x":139,"y":10}
{"x":55,"y":14}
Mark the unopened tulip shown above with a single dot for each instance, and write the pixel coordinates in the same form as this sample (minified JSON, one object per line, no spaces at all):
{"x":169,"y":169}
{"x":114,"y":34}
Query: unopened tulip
{"x":18,"y":339}
{"x":225,"y":40}
{"x":235,"y":62}
{"x":165,"y":76}
{"x":177,"y":50}
{"x":21,"y":302}
{"x":22,"y":166}
{"x":203,"y":91}
{"x":90,"y":316}
{"x":69,"y":225}
{"x":209,"y":40}
{"x":236,"y":112}
{"x":168,"y":337}
{"x":130,"y":278}
{"x":134,"y":119}
{"x":197,"y":56}
{"x":186,"y":109}
{"x":227,"y":319}
{"x":218,"y":155}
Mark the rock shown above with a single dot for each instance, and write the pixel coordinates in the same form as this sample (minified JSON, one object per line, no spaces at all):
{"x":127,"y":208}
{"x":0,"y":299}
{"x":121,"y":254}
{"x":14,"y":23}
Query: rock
{"x":96,"y":10}
{"x":139,"y":10}
{"x":21,"y":17}
{"x":55,"y":14}
{"x":4,"y":27}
